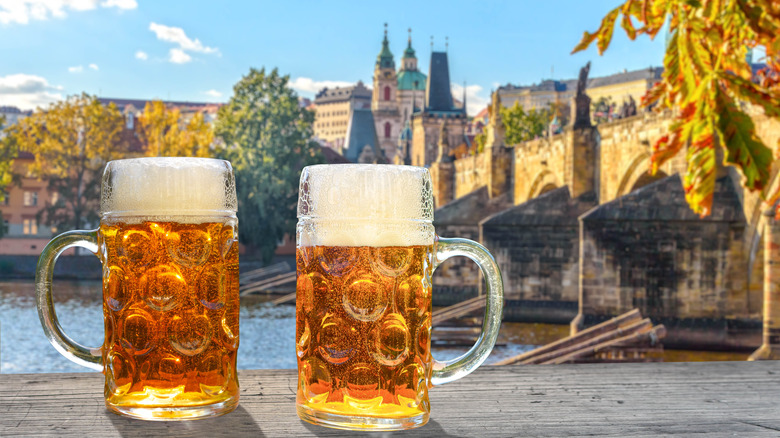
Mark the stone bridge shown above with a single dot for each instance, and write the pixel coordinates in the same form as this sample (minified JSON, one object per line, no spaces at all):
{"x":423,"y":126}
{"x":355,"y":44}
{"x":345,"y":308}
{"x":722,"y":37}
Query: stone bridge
{"x":581,"y":228}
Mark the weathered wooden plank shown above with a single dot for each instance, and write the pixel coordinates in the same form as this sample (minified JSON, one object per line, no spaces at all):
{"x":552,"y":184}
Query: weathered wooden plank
{"x":284,"y":299}
{"x":458,"y":310}
{"x":263,"y":272}
{"x":627,"y":399}
{"x":625,"y":320}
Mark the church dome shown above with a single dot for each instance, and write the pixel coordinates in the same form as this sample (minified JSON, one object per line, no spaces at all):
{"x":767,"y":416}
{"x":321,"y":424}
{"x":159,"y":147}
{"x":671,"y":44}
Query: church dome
{"x":411,"y":80}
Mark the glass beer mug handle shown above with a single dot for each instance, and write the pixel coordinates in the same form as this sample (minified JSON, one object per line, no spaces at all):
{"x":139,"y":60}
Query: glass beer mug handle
{"x":454,"y":369}
{"x":88,"y":357}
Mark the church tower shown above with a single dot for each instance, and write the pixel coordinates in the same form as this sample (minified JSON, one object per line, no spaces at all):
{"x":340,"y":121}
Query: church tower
{"x":411,"y":83}
{"x":384,"y":101}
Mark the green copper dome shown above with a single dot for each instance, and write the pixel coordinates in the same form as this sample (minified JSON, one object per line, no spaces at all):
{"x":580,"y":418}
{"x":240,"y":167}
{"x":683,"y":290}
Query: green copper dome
{"x":411,"y":80}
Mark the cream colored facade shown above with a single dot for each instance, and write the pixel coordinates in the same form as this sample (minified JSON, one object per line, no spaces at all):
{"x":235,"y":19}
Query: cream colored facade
{"x":332,"y":109}
{"x":621,"y":93}
{"x":330,"y":123}
{"x":619,"y":88}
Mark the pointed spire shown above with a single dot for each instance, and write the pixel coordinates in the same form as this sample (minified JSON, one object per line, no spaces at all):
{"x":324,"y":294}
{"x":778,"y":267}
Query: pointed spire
{"x":431,"y":43}
{"x":446,"y":44}
{"x":409,"y":52}
{"x":385,"y":57}
{"x":464,"y":98}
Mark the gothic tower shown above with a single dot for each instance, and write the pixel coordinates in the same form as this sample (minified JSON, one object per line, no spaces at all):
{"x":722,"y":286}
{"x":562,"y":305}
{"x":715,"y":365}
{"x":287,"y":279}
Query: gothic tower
{"x":384,"y":102}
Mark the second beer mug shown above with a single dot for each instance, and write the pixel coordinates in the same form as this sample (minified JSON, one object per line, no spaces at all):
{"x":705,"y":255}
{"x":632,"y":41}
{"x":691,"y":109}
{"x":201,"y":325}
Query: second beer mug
{"x":168,"y":244}
{"x":366,"y":250}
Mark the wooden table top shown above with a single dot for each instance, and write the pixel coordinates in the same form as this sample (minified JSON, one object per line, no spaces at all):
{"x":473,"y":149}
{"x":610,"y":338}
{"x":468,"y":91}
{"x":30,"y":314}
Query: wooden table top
{"x":716,"y":398}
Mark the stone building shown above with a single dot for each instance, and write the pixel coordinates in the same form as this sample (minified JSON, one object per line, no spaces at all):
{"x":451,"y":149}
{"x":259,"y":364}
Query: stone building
{"x":333,"y":109}
{"x":395,"y":94}
{"x":583,"y":232}
{"x":438,"y":109}
{"x":619,"y":89}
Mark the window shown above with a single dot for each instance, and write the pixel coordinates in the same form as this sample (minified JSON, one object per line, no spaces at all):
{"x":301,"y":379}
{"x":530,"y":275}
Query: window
{"x":29,"y":226}
{"x":387,"y":93}
{"x":387,"y":129}
{"x":129,"y":119}
{"x":6,"y":198}
{"x":30,"y":199}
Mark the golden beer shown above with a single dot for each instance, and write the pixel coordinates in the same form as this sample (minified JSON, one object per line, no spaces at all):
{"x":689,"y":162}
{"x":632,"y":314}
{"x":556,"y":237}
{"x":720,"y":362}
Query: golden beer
{"x":170,"y":304}
{"x":366,"y":250}
{"x":168,"y":243}
{"x":363,"y":330}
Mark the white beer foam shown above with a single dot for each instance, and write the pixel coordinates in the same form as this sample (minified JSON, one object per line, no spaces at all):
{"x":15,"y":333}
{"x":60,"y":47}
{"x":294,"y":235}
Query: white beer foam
{"x":365,"y":205}
{"x":158,"y":188}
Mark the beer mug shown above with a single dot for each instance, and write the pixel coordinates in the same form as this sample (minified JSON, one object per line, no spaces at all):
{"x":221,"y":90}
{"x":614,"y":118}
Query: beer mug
{"x":366,"y":250}
{"x":168,"y":245}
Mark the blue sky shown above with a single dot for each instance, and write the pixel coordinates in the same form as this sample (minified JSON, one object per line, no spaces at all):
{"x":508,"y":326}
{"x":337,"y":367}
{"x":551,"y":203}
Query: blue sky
{"x":196,"y":50}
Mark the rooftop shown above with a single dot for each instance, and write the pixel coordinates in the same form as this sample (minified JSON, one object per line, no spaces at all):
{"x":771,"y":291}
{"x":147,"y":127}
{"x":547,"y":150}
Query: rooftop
{"x":341,"y":94}
{"x":361,"y":132}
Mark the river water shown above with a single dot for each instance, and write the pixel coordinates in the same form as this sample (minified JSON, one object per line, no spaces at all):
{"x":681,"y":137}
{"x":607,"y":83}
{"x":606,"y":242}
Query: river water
{"x":267,"y":331}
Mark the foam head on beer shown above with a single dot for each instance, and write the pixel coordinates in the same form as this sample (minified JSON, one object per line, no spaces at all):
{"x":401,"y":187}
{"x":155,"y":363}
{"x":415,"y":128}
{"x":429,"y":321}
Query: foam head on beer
{"x":365,"y":205}
{"x":168,"y":187}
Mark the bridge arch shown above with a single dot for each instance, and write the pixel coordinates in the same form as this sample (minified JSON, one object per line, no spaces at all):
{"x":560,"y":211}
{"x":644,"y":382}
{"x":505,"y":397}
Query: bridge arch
{"x":637,"y":175}
{"x":543,"y":183}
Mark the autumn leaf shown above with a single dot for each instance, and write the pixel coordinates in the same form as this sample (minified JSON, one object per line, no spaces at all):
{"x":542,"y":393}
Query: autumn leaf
{"x":744,"y":149}
{"x":706,"y":80}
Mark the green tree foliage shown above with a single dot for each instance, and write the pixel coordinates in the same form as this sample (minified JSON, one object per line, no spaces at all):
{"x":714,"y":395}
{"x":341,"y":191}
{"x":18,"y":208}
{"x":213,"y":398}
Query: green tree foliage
{"x":72,"y":140}
{"x":708,"y":79}
{"x":267,"y":138}
{"x":521,"y":125}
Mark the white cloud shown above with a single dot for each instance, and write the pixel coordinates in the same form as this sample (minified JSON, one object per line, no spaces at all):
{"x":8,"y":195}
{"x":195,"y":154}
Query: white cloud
{"x":310,"y":86}
{"x":475,"y":102}
{"x":179,"y":56}
{"x":141,"y":55}
{"x":76,"y":69}
{"x":93,"y":66}
{"x":213,"y":93}
{"x":22,"y":11}
{"x":177,"y":35}
{"x":27,"y":91}
{"x":121,"y":4}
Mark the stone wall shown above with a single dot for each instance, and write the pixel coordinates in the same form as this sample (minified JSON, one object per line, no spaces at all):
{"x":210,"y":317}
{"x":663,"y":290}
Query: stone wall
{"x":648,"y":250}
{"x":537,"y":164}
{"x":536,"y":245}
{"x":471,"y":173}
{"x":459,"y":278}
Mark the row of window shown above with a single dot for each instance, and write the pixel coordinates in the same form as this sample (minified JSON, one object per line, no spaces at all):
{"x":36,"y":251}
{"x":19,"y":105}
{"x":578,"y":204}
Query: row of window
{"x":30,"y":199}
{"x":333,"y":113}
{"x":334,"y":123}
{"x":334,"y":133}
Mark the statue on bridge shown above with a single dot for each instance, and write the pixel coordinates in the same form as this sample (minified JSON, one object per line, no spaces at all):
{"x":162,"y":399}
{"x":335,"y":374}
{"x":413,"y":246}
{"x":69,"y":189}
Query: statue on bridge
{"x":581,"y":108}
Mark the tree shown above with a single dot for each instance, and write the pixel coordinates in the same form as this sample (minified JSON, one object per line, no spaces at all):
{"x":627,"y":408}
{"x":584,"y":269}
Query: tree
{"x":72,"y":140}
{"x":165,"y":133}
{"x":267,"y":137}
{"x":522,"y":126}
{"x":8,"y":151}
{"x":708,"y":79}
